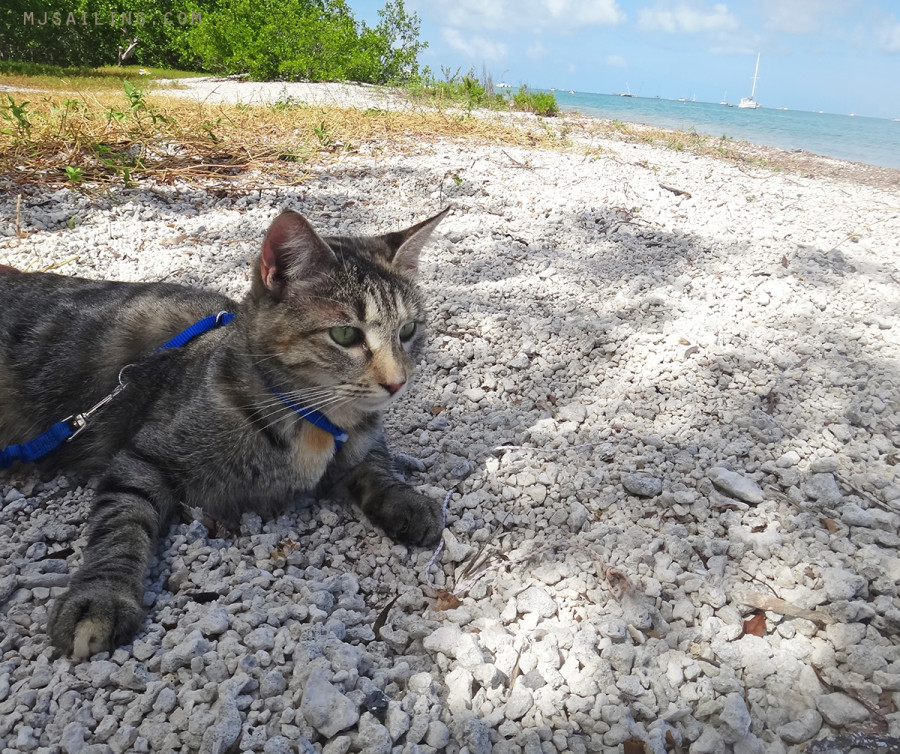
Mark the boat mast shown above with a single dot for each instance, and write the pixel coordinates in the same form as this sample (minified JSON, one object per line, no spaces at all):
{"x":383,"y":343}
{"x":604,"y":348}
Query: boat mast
{"x":755,"y":76}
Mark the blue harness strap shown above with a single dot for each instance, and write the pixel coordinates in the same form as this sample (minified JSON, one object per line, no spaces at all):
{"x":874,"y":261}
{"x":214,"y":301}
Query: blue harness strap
{"x":198,"y":328}
{"x":316,"y":418}
{"x":47,"y":442}
{"x":44,"y":443}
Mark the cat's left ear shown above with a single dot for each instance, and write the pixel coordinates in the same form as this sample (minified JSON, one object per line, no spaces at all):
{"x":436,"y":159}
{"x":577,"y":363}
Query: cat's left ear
{"x":406,"y":245}
{"x":292,"y":252}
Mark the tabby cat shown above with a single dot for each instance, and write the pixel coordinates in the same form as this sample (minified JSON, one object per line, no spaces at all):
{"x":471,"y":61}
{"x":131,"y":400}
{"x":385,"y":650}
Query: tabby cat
{"x":330,"y":324}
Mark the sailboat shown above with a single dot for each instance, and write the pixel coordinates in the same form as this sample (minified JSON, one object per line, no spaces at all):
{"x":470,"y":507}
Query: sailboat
{"x":749,"y":102}
{"x":627,"y":92}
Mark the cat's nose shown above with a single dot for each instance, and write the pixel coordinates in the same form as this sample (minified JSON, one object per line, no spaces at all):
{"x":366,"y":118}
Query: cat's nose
{"x":392,"y":387}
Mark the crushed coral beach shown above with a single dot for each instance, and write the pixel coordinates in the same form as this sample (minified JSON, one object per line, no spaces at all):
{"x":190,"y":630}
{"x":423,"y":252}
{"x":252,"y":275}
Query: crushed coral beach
{"x":663,"y":390}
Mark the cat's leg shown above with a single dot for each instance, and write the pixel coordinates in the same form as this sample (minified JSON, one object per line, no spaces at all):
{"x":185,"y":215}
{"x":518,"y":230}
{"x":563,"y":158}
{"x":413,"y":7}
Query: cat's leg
{"x":403,"y":513}
{"x":103,"y":607}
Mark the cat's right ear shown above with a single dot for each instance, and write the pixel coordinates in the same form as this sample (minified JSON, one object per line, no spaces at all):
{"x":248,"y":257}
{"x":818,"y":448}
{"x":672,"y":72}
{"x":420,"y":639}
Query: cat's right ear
{"x":292,"y":253}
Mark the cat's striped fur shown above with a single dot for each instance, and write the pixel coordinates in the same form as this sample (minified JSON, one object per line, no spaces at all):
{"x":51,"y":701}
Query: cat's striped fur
{"x":199,"y":426}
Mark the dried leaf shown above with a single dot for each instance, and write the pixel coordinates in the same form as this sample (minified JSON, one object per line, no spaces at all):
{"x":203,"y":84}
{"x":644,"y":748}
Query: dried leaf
{"x":618,"y":583}
{"x":755,"y":625}
{"x":446,"y":601}
{"x":58,"y":554}
{"x":673,"y":745}
{"x":829,"y":524}
{"x":633,"y":746}
{"x":784,"y":261}
{"x":173,"y":241}
{"x":776,"y":605}
{"x":382,"y":617}
{"x":436,"y":409}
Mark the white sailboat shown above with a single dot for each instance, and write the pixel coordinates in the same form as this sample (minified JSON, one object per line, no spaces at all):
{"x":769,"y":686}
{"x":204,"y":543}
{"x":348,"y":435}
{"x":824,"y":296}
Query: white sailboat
{"x":750,"y":102}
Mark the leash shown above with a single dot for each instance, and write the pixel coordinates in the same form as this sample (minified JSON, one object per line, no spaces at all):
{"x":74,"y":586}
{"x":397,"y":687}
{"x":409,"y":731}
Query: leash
{"x":72,"y":426}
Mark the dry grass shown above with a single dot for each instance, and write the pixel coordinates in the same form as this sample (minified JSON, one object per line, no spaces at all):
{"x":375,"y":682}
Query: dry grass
{"x":109,"y":78}
{"x":100,"y":135}
{"x":87,"y":137}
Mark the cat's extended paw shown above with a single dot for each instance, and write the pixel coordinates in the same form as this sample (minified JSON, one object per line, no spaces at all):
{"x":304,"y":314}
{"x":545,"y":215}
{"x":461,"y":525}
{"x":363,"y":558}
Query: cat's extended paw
{"x":93,"y":619}
{"x":408,"y":516}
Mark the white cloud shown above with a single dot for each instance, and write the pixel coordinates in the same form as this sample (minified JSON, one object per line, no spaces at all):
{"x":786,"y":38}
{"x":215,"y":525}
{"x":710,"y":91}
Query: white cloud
{"x":685,"y":18}
{"x":889,"y":37}
{"x":513,"y":15}
{"x":616,"y":61}
{"x":805,"y":16}
{"x":537,"y":50}
{"x":475,"y":47}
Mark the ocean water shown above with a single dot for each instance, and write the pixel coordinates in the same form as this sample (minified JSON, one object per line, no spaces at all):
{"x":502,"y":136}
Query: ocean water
{"x":874,"y":141}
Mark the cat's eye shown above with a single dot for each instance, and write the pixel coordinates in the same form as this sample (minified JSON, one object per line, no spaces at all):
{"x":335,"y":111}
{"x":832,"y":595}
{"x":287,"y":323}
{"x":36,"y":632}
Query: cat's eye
{"x":407,"y":331}
{"x":346,"y":336}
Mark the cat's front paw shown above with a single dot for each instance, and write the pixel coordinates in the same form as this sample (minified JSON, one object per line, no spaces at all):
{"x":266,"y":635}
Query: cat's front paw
{"x":408,"y":516}
{"x":96,"y":618}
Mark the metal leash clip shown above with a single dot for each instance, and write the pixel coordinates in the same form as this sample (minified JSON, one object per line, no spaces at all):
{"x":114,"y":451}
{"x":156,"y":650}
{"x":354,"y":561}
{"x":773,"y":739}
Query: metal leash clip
{"x":78,"y":422}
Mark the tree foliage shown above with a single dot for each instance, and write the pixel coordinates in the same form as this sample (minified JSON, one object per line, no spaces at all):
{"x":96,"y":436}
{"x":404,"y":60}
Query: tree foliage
{"x":316,"y":40}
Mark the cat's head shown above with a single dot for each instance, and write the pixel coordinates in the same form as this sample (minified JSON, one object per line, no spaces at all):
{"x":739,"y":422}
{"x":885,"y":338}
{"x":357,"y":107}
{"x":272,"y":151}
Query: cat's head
{"x":340,"y":316}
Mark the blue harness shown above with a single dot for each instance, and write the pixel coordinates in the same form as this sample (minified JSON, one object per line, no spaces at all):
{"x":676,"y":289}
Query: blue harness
{"x":68,"y":428}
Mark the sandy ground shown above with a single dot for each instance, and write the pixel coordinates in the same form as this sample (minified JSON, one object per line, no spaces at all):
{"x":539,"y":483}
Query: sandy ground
{"x":663,"y":391}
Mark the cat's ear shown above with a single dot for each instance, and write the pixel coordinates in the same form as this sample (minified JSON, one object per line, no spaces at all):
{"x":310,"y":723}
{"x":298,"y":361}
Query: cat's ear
{"x":406,"y":245}
{"x":292,"y":252}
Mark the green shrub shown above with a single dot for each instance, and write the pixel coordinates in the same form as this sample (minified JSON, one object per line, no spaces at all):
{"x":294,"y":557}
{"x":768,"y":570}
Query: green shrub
{"x":539,"y":103}
{"x":269,"y":39}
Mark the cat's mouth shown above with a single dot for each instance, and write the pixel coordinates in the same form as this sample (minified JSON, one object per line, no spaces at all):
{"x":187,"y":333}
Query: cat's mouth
{"x":379,"y":397}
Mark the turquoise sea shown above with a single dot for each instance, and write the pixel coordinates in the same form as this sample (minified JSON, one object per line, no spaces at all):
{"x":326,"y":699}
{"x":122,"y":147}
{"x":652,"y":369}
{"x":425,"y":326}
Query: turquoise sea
{"x":875,"y":141}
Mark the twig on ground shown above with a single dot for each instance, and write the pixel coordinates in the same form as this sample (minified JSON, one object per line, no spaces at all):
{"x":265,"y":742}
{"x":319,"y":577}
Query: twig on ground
{"x":677,"y":192}
{"x":783,"y":607}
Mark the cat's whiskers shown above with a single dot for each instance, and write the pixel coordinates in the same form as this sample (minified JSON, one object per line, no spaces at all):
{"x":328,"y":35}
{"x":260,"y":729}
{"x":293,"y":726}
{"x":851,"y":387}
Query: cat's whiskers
{"x":332,"y":402}
{"x":280,"y":410}
{"x":270,"y":399}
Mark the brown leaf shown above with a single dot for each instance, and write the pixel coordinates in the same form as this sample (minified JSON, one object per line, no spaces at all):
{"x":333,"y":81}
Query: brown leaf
{"x":784,"y":261}
{"x":633,"y":746}
{"x":174,"y":241}
{"x":436,"y":409}
{"x":755,"y":625}
{"x":382,"y":617}
{"x":446,"y":601}
{"x":829,"y":524}
{"x":673,"y":745}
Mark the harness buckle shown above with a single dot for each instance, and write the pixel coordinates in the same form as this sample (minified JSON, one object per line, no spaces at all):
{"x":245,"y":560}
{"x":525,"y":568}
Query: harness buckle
{"x":77,"y":423}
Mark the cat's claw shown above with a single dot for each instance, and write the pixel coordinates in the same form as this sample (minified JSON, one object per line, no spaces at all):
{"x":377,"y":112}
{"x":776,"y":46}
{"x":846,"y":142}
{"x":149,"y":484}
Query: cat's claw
{"x":95,"y":619}
{"x":408,"y":516}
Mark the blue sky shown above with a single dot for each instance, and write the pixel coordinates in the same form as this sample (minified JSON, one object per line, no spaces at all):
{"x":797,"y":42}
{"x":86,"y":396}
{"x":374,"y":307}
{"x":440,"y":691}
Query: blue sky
{"x":840,"y":56}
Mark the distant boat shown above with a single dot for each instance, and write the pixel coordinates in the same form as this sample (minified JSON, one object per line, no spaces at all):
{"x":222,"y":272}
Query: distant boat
{"x":503,"y":85}
{"x":781,"y":108}
{"x":627,"y":92}
{"x":750,"y":102}
{"x":725,"y":101}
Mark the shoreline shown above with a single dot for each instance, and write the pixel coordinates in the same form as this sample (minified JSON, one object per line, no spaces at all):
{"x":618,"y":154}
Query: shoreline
{"x":363,"y":96}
